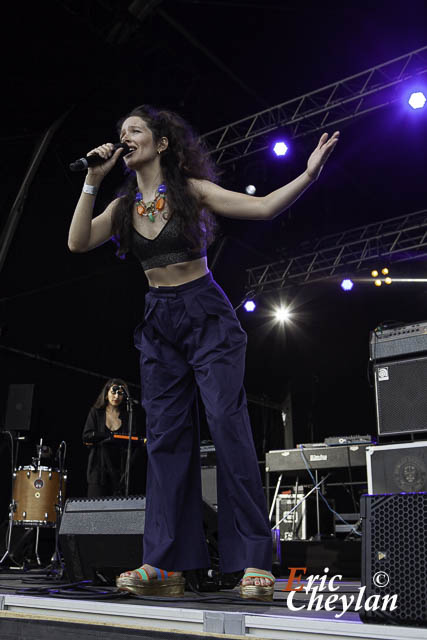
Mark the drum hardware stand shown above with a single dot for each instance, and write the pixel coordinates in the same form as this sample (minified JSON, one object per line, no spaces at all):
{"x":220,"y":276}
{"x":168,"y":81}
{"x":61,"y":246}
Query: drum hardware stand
{"x":20,"y":543}
{"x":7,"y":553}
{"x":36,"y":547}
{"x":37,"y":461}
{"x":29,"y":530}
{"x":12,"y":505}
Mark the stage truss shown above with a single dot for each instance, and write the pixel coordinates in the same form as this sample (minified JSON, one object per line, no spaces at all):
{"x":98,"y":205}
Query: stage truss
{"x":321,"y":109}
{"x":347,"y":252}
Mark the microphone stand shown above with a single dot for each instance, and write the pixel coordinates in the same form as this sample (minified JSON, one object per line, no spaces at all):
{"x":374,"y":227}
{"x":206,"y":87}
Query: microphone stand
{"x":129,"y":402}
{"x":57,"y":567}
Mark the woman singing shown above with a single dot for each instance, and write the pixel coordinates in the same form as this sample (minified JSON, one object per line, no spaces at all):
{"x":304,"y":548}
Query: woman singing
{"x":190,"y":337}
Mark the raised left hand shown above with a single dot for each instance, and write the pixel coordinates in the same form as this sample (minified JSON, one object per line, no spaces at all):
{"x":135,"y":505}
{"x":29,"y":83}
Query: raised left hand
{"x":321,"y":154}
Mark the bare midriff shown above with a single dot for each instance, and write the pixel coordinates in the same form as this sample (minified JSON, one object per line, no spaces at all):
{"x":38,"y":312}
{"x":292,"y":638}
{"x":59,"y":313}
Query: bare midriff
{"x":173,"y":275}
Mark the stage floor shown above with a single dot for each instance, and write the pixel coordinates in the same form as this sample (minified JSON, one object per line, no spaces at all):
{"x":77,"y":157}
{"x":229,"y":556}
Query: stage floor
{"x":36,"y":607}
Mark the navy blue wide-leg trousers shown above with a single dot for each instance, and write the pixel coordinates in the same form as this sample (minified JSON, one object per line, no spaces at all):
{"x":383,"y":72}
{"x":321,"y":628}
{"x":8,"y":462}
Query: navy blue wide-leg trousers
{"x":191,"y":336}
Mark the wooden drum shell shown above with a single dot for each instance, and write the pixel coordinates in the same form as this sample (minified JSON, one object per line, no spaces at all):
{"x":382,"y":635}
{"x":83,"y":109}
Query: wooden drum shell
{"x":35,"y":496}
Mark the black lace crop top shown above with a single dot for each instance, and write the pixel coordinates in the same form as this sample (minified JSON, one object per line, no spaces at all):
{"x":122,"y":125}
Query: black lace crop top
{"x":168,"y":247}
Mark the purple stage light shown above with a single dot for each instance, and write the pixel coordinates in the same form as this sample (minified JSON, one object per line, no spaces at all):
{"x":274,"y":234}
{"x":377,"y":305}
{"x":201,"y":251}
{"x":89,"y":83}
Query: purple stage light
{"x":280,"y":148}
{"x":249,"y":305}
{"x":417,"y":100}
{"x":347,"y":284}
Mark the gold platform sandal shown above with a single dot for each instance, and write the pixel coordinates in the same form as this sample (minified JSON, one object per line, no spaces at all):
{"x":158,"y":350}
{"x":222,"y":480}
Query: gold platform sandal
{"x":164,"y":583}
{"x":257,"y":591}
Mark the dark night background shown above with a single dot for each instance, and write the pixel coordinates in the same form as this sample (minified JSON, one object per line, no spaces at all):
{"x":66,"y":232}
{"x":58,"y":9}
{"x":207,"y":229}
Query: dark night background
{"x":93,"y":62}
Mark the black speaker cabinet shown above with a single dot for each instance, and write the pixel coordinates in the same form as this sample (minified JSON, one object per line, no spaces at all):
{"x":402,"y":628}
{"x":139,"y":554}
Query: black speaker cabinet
{"x":102,"y":537}
{"x":394,"y":556}
{"x":393,"y":468}
{"x":20,"y":407}
{"x":401,"y":398}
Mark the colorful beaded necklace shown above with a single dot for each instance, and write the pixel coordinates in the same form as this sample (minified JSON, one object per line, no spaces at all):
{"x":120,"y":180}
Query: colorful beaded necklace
{"x":155,"y":206}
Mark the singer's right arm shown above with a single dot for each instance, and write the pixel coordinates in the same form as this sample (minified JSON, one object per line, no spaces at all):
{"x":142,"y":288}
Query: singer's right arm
{"x":86,"y":232}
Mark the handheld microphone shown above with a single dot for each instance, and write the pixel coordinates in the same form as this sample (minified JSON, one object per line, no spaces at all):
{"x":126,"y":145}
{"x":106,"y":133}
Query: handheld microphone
{"x":94,"y":159}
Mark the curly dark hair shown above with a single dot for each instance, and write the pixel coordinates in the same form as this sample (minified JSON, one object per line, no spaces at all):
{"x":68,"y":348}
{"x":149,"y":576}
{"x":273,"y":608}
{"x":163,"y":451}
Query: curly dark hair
{"x":101,"y":401}
{"x":185,"y":157}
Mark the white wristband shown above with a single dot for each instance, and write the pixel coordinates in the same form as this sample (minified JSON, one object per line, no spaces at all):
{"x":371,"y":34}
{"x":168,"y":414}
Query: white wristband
{"x":89,"y":188}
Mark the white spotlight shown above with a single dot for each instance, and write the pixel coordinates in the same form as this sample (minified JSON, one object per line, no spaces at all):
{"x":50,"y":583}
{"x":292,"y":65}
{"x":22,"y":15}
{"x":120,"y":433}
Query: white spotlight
{"x":282,"y":314}
{"x":280,"y":148}
{"x":250,"y":189}
{"x":417,"y":100}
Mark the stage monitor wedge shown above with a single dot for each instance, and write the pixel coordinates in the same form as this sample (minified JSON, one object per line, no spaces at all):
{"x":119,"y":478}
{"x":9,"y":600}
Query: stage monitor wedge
{"x":102,"y":537}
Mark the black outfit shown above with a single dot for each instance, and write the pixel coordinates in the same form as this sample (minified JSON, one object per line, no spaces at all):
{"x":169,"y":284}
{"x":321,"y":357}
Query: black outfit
{"x":107,"y":455}
{"x":168,"y":247}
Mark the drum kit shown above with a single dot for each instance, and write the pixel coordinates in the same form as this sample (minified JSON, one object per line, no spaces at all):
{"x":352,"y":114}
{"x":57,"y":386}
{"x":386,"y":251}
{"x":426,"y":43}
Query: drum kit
{"x":38,"y":494}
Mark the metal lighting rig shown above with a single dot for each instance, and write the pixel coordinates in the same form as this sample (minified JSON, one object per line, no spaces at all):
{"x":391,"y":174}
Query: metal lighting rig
{"x":396,"y":239}
{"x":335,"y":103}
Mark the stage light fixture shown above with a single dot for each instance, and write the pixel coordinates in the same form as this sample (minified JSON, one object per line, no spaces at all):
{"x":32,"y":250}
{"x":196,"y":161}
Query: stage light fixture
{"x":388,"y":280}
{"x":377,"y":283}
{"x":347,"y":284}
{"x":374,"y":273}
{"x":417,"y":100}
{"x":385,"y":271}
{"x":280,"y":148}
{"x":250,"y":189}
{"x":282,"y":314}
{"x":249,"y":305}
